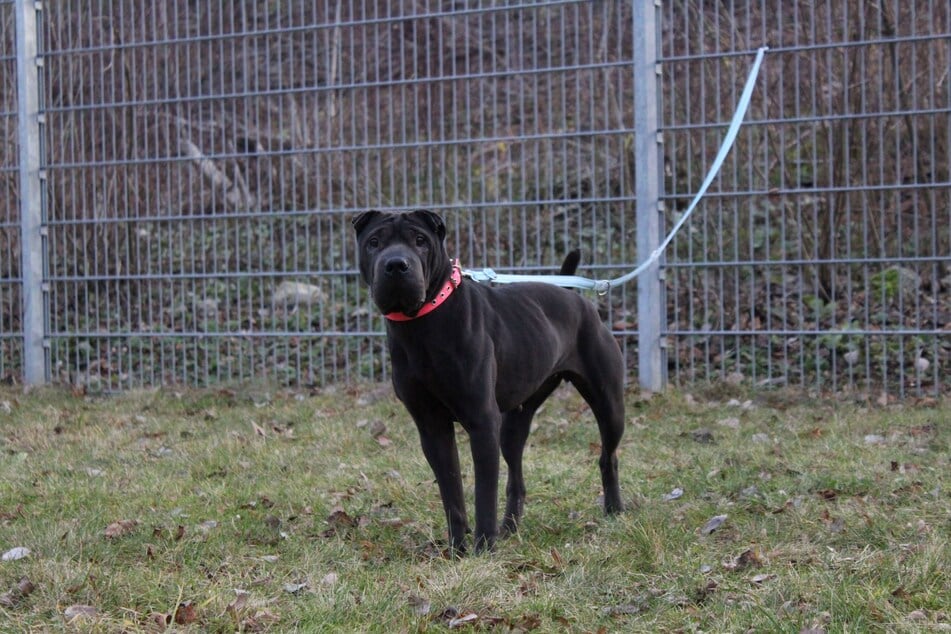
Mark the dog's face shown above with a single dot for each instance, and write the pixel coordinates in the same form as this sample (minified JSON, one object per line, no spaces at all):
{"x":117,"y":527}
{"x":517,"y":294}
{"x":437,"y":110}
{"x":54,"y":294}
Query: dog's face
{"x":402,"y":257}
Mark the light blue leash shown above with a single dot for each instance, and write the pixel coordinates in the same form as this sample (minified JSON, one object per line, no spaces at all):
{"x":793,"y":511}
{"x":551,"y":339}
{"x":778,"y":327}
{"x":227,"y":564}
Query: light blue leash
{"x":603,"y":286}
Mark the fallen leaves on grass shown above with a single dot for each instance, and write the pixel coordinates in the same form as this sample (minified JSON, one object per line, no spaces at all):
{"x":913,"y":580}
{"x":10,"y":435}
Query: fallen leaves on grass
{"x":903,"y":467}
{"x":79,"y":612}
{"x":237,"y":607}
{"x":185,"y":613}
{"x":17,"y":593}
{"x":20,"y":552}
{"x":834,"y":524}
{"x":462,"y":619}
{"x":731,"y":422}
{"x":7,"y":516}
{"x":639,"y":605}
{"x":339,"y":521}
{"x":260,"y":621}
{"x":747,"y":559}
{"x":713,"y":524}
{"x":159,"y":621}
{"x":419,"y":605}
{"x":294,"y":588}
{"x":120,"y":528}
{"x":674,"y":494}
{"x":239,"y":611}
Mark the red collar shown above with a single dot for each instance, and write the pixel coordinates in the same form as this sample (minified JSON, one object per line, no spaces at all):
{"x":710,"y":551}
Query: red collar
{"x":455,"y":279}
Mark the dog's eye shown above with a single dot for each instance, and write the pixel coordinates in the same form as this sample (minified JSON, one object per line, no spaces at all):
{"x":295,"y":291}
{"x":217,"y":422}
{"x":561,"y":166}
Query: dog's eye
{"x":420,"y":240}
{"x":373,"y":242}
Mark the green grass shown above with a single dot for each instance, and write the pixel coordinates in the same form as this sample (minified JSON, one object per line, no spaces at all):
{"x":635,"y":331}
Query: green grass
{"x":291,"y":499}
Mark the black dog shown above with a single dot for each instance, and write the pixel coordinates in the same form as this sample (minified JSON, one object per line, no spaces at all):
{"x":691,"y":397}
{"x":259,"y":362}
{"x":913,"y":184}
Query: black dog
{"x":486,"y":357}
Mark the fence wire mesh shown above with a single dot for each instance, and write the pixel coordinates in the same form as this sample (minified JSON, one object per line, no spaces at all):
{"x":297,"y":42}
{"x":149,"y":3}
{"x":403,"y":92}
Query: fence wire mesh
{"x":823,"y":258}
{"x":11,"y":333}
{"x":202,"y":162}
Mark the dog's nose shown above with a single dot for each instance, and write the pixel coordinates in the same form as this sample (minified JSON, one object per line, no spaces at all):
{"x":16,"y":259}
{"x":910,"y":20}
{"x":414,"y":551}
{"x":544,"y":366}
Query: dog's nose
{"x":396,"y":266}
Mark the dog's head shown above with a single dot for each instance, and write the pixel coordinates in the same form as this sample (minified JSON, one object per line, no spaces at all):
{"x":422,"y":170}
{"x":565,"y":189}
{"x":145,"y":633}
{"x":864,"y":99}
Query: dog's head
{"x":402,"y":257}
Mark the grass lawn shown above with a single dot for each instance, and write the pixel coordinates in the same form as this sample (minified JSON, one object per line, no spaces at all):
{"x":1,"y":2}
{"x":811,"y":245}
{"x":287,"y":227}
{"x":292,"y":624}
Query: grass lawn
{"x":256,"y":509}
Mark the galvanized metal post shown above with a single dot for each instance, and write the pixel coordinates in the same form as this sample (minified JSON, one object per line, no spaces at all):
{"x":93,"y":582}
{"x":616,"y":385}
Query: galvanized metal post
{"x":648,"y":153}
{"x":35,"y":366}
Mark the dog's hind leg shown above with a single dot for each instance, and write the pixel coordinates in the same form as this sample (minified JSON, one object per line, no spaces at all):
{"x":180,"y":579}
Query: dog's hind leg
{"x":604,"y":393}
{"x":609,"y":412}
{"x":515,"y":428}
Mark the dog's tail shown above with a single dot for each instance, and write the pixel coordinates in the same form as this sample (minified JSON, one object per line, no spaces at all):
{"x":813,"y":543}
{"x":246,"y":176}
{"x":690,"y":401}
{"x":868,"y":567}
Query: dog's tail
{"x":570,"y":265}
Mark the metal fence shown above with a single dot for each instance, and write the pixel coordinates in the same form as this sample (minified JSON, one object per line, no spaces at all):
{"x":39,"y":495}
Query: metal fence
{"x":823,"y":259}
{"x":197,"y":164}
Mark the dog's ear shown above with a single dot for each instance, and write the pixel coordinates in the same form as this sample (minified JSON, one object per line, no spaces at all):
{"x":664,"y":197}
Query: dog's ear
{"x":361,"y":220}
{"x":434,"y":221}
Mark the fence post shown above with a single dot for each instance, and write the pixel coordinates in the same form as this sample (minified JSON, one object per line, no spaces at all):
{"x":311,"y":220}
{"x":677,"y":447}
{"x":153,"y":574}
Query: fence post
{"x":648,"y":151}
{"x":32,"y":240}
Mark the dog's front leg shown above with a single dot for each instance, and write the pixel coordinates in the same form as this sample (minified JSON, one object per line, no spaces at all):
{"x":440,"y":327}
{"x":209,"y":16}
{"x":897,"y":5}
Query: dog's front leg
{"x":484,"y":438}
{"x":438,"y":440}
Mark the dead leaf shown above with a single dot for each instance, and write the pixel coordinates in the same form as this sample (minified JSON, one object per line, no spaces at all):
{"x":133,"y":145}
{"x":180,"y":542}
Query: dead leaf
{"x":120,"y":528}
{"x":835,"y":524}
{"x":20,"y":591}
{"x":339,"y":521}
{"x":377,"y":428}
{"x":674,"y":494}
{"x":713,"y":524}
{"x":260,"y":621}
{"x":383,"y":441}
{"x":420,"y":605}
{"x":903,"y":467}
{"x":762,"y":577}
{"x":20,"y":552}
{"x":527,"y":623}
{"x":160,"y":621}
{"x":747,"y":559}
{"x":459,"y":621}
{"x":294,"y":588}
{"x":185,"y":613}
{"x":11,"y":515}
{"x":640,"y":604}
{"x":258,"y":430}
{"x":79,"y":612}
{"x":236,"y":607}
